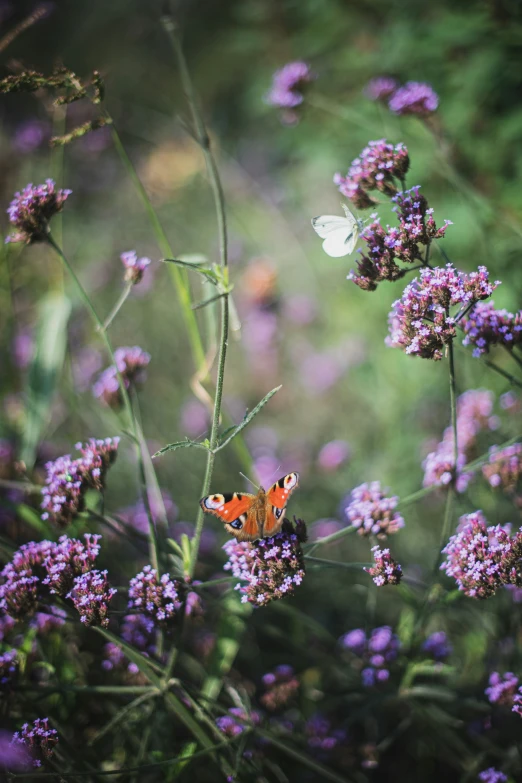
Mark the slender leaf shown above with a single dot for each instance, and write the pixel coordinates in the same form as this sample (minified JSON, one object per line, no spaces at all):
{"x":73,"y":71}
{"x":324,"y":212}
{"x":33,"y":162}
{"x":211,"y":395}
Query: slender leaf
{"x":248,"y":418}
{"x":231,"y":628}
{"x":181,"y":444}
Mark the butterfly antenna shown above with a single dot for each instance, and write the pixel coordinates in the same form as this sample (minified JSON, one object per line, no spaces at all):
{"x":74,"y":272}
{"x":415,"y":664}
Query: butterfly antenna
{"x":274,"y":472}
{"x":249,"y":480}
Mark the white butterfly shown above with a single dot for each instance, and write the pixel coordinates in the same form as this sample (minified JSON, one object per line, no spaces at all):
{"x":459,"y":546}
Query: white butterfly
{"x":340,"y":234}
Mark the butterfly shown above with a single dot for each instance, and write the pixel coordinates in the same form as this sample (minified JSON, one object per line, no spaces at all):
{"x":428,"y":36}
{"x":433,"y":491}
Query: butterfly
{"x":250,"y":517}
{"x":340,"y":234}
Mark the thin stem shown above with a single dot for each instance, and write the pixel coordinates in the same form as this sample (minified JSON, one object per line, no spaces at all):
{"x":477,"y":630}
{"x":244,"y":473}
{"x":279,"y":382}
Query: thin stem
{"x":119,"y":304}
{"x":514,"y":356}
{"x":219,"y":200}
{"x":448,"y":514}
{"x":453,"y":403}
{"x":513,"y":381}
{"x":338,"y":563}
{"x":21,"y":486}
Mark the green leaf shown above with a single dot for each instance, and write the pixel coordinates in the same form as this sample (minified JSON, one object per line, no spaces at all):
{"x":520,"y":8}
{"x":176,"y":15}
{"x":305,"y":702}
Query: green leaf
{"x":44,"y":374}
{"x":231,"y":628}
{"x":181,"y":444}
{"x":248,"y":418}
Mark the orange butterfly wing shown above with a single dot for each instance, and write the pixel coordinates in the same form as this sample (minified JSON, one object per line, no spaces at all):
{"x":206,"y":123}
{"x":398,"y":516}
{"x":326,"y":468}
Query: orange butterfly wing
{"x":236,"y":510}
{"x":276,"y":500}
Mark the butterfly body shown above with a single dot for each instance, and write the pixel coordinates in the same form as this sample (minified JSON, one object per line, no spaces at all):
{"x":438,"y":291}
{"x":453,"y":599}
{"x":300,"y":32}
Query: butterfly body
{"x":340,"y":234}
{"x":250,"y":517}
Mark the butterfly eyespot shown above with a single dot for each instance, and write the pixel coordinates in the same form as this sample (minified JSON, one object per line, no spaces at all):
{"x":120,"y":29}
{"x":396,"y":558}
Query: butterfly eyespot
{"x":236,"y":524}
{"x":278,"y":512}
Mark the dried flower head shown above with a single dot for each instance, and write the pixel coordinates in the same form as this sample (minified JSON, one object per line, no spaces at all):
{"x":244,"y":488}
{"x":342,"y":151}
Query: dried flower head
{"x":484,"y":326}
{"x":39,"y":740}
{"x":288,"y":86}
{"x":271,"y":567}
{"x":161,"y":599}
{"x":281,"y":686}
{"x":421,"y":322}
{"x":371,"y":513}
{"x":31,"y":210}
{"x":381,"y":166}
{"x":386,"y":570}
{"x":134,"y":267}
{"x":380,"y":88}
{"x":91,"y":595}
{"x":481,"y":559}
{"x":414,"y":98}
{"x":130,"y":363}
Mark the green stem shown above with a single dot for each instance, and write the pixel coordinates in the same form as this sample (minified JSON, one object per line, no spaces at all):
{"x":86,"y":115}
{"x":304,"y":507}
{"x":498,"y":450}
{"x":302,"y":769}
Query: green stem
{"x":219,"y":200}
{"x":119,"y":304}
{"x":514,"y":356}
{"x":338,"y":563}
{"x":453,"y":404}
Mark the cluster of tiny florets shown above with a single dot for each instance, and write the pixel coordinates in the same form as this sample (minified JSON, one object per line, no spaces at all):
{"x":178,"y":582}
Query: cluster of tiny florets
{"x":411,"y":98}
{"x":481,"y":559}
{"x":281,"y":686}
{"x":373,"y":653}
{"x":380,"y":166}
{"x":31,"y":210}
{"x":380,"y":88}
{"x":371,"y":512}
{"x":134,"y":267}
{"x":288,"y":85}
{"x":484,"y":327}
{"x":502,"y":688}
{"x":269,"y":569}
{"x":8,"y":669}
{"x":68,"y":479}
{"x":130,"y":364}
{"x":236,"y":721}
{"x":38,"y":739}
{"x":161,"y":599}
{"x":504,"y":467}
{"x":437,"y":646}
{"x":386,"y":570}
{"x":137,"y":630}
{"x":492,"y":775}
{"x":421,"y":322}
{"x":91,"y":595}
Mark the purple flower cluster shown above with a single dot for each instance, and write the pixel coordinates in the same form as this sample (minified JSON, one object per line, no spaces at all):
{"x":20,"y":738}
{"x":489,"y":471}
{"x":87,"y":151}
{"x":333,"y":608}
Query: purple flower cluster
{"x":8,"y":669}
{"x":421,"y":323}
{"x":386,"y":246}
{"x":140,"y":632}
{"x":492,"y":775}
{"x":31,"y":210}
{"x":39,"y":740}
{"x":45,"y":622}
{"x":481,"y":559}
{"x":130,"y":363}
{"x":484,"y":326}
{"x":332,"y":455}
{"x":91,"y":595}
{"x":380,"y":166}
{"x":320,"y":734}
{"x":502,"y":688}
{"x":236,"y":721}
{"x":271,"y":568}
{"x":376,"y":653}
{"x":371,"y":512}
{"x":380,"y":88}
{"x":437,"y":645}
{"x":474,"y":415}
{"x":386,"y":570}
{"x":68,"y":559}
{"x":410,"y":98}
{"x":288,"y":85}
{"x":68,"y":479}
{"x":134,"y":267}
{"x":504,"y":467}
{"x":281,"y":686}
{"x":160,"y":599}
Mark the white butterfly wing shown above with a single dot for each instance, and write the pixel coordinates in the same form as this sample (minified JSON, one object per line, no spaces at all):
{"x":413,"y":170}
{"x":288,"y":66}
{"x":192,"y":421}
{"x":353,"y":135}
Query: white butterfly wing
{"x":325,"y":225}
{"x":340,"y":234}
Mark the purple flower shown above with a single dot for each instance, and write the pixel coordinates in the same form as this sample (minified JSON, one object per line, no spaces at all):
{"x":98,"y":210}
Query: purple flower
{"x":380,"y":88}
{"x":281,"y":686}
{"x":414,"y":98}
{"x":38,"y":739}
{"x":18,"y":592}
{"x":481,"y":559}
{"x":438,"y":646}
{"x":421,"y":322}
{"x":492,"y":775}
{"x":371,"y":512}
{"x":236,"y":721}
{"x":484,"y":326}
{"x":386,"y":570}
{"x":380,"y":166}
{"x":333,"y":455}
{"x":504,"y":467}
{"x":131,"y":363}
{"x":140,"y":632}
{"x":159,"y":599}
{"x":31,"y":210}
{"x":134,"y":267}
{"x":502,"y":688}
{"x":8,"y":669}
{"x":320,"y":734}
{"x":68,"y":479}
{"x":13,"y":757}
{"x":91,"y":595}
{"x":45,"y":622}
{"x":67,"y":560}
{"x":30,"y":135}
{"x":355,"y":641}
{"x":288,"y":85}
{"x":7,"y":623}
{"x":271,"y":568}
{"x":375,"y":653}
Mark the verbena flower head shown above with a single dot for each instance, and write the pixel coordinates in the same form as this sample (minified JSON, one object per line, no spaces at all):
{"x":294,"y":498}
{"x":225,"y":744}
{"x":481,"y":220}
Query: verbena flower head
{"x":134,"y":267}
{"x":45,"y":622}
{"x":68,"y":479}
{"x":386,"y":570}
{"x":269,"y":569}
{"x":91,"y":595}
{"x":375,"y":653}
{"x":380,"y":88}
{"x":288,"y":85}
{"x":372,"y":513}
{"x":321,"y":735}
{"x":504,"y":467}
{"x":381,"y":166}
{"x":236,"y":721}
{"x":39,"y":740}
{"x":18,"y":592}
{"x":31,"y":210}
{"x":131,"y":363}
{"x":502,"y":688}
{"x":67,"y":560}
{"x":414,"y":98}
{"x":281,"y":686}
{"x":333,"y":455}
{"x":481,"y":559}
{"x":140,"y":632}
{"x":492,"y":775}
{"x":161,"y":599}
{"x":484,"y":326}
{"x":8,"y":669}
{"x":421,"y":322}
{"x":437,"y":645}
